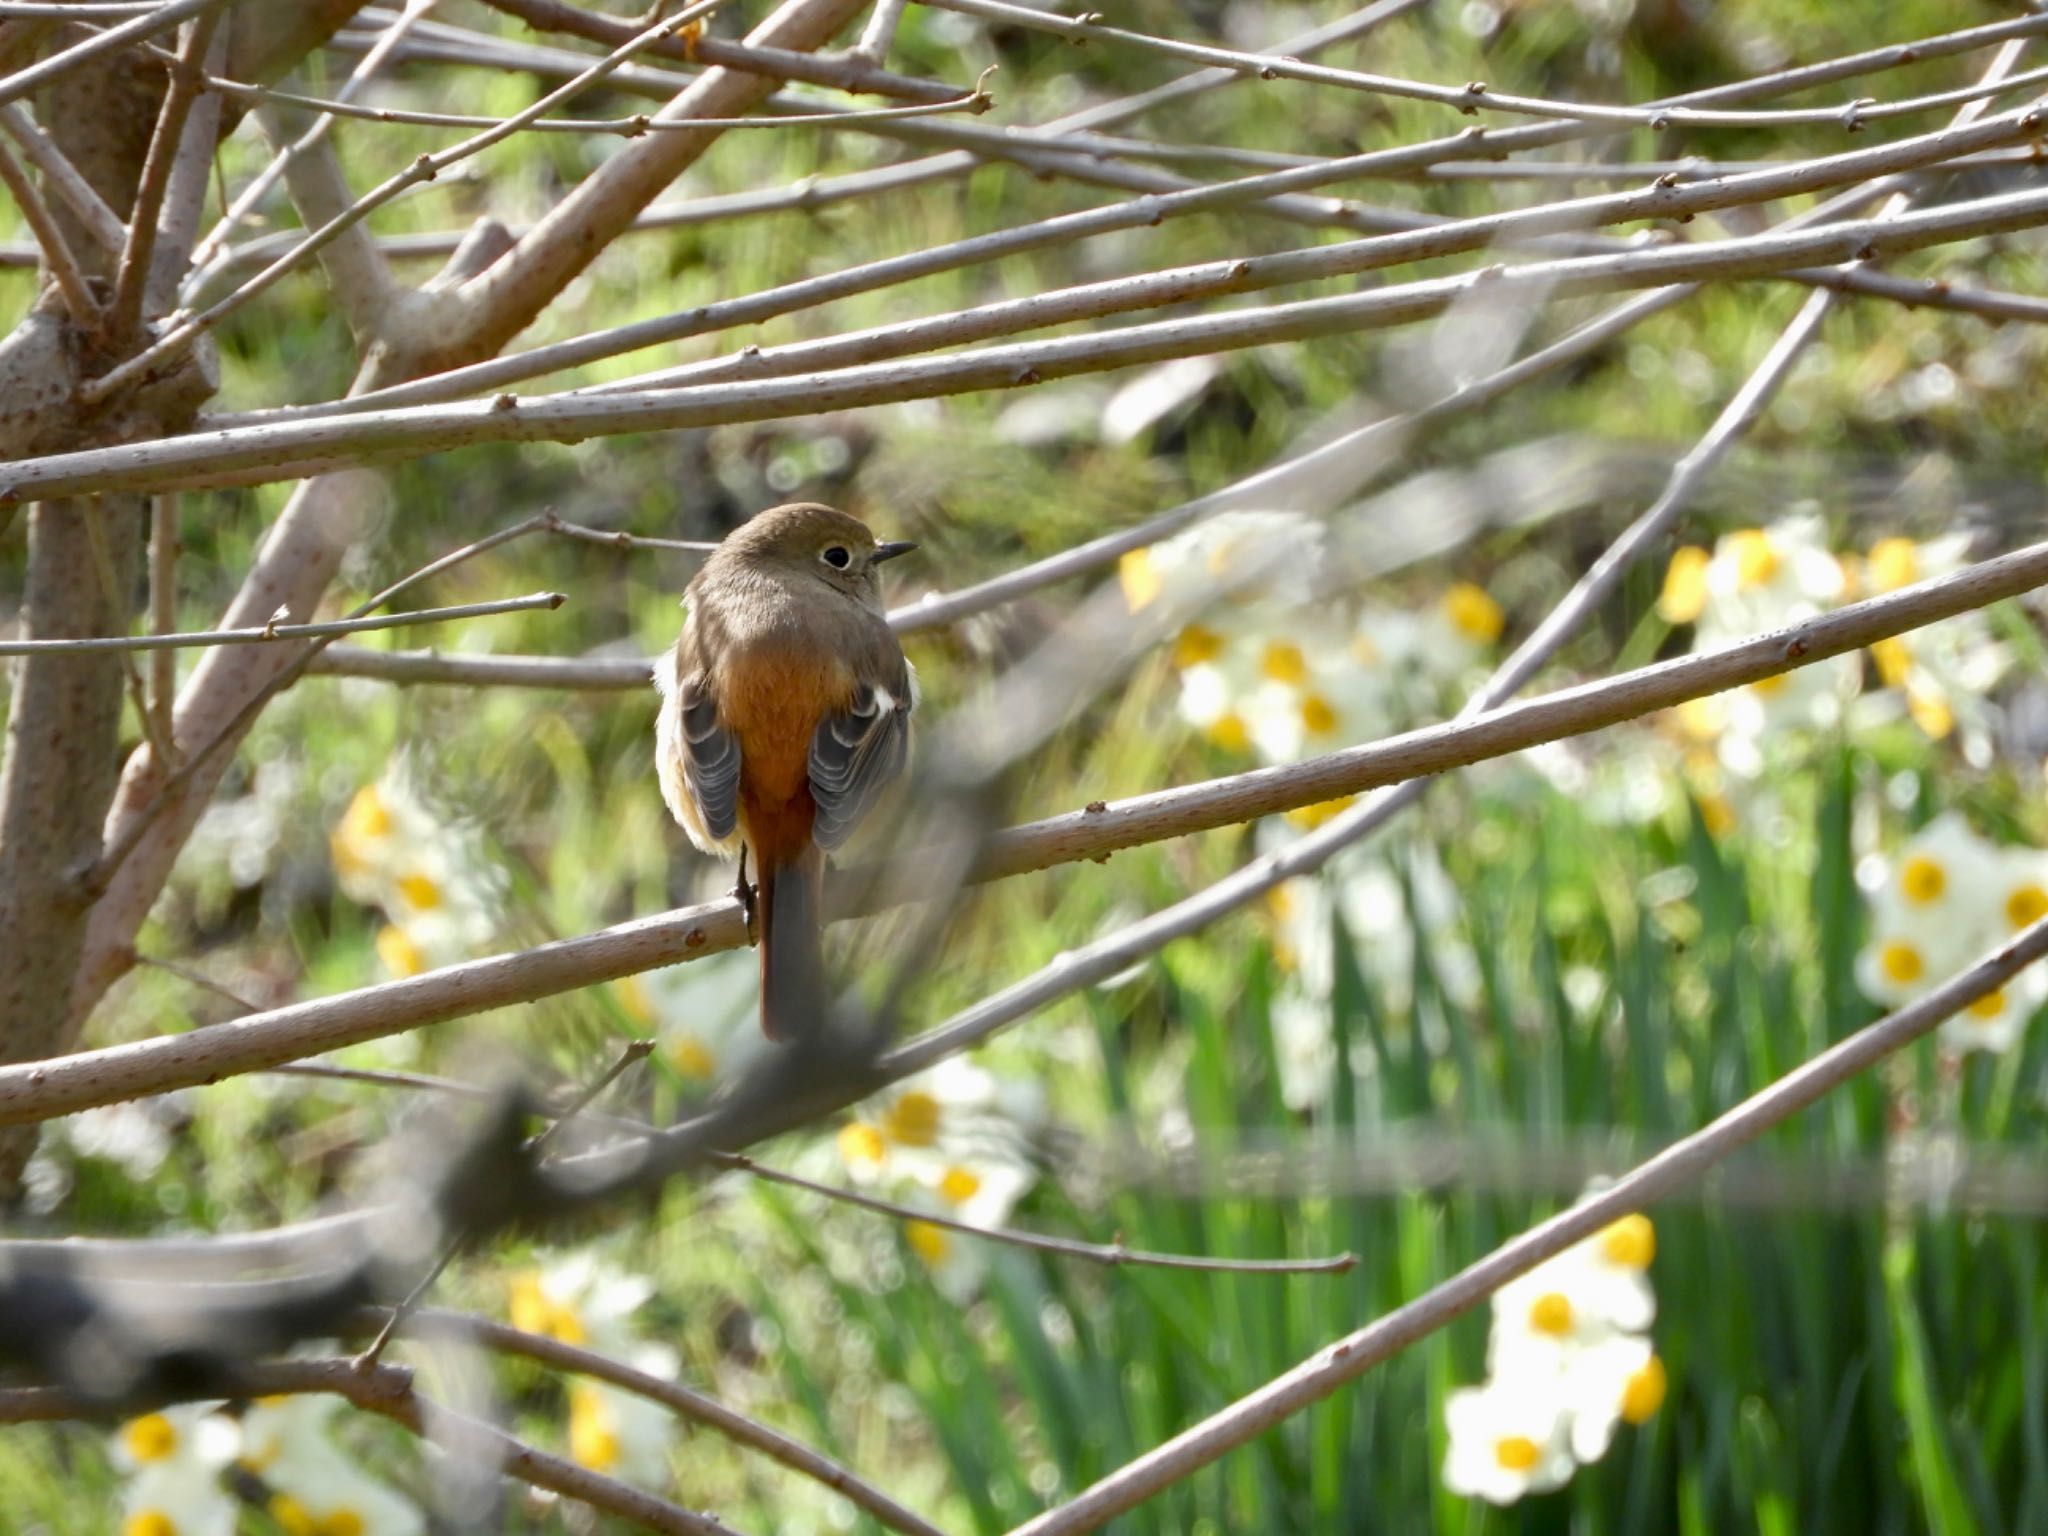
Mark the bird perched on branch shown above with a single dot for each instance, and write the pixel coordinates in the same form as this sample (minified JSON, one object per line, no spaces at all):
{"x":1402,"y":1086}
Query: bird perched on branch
{"x":785,"y":711}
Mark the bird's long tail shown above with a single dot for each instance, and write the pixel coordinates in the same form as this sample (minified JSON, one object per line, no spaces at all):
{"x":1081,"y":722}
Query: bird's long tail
{"x":789,"y":898}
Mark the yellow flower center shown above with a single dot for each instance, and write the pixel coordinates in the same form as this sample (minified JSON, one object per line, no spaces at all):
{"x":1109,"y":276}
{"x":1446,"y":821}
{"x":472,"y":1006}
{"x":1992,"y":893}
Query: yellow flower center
{"x":395,"y":948}
{"x":633,"y":999}
{"x":928,"y":1242}
{"x":1931,"y":712}
{"x":534,"y":1311}
{"x":1756,"y":557}
{"x":1317,"y":717}
{"x":1922,"y":880}
{"x":689,"y":1056}
{"x":1551,"y":1313}
{"x":342,"y":1522}
{"x":861,"y":1145}
{"x":1473,"y":613}
{"x":1684,"y":597}
{"x":293,"y":1516}
{"x":1195,"y":645}
{"x":149,"y":1438}
{"x":1771,"y":687}
{"x":1631,"y":1242}
{"x":149,"y":1522}
{"x":1893,"y":563}
{"x":1990,"y":1005}
{"x":1138,"y":574}
{"x":913,"y":1120}
{"x":1901,"y":962}
{"x":1894,"y":659}
{"x":1283,"y":662}
{"x":1228,"y":731}
{"x":959,"y":1185}
{"x":2026,"y":905}
{"x":1516,"y":1453}
{"x":420,"y":891}
{"x":1309,"y":817}
{"x":1644,"y":1393}
{"x":1701,"y":718}
{"x":593,"y":1437}
{"x":366,"y":822}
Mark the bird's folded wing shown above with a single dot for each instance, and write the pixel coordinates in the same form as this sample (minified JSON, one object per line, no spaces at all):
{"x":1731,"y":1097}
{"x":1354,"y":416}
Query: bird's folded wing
{"x":711,"y":758}
{"x":855,"y":752}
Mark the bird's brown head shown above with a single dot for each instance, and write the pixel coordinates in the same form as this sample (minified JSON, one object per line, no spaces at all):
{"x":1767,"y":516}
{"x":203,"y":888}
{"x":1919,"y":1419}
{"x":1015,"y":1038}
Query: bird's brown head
{"x":808,"y":541}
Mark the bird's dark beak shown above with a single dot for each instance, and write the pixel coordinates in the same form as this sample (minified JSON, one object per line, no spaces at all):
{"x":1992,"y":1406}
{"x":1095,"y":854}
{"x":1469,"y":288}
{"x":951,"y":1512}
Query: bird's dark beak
{"x":892,"y":549}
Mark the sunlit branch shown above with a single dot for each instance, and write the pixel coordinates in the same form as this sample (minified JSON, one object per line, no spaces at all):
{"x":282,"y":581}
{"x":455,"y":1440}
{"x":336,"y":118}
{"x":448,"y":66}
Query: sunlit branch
{"x":1473,"y":97}
{"x":259,"y":453}
{"x":124,"y":310}
{"x":422,"y":170}
{"x":56,"y":252}
{"x":70,"y":188}
{"x":271,"y":632}
{"x":1664,"y":199}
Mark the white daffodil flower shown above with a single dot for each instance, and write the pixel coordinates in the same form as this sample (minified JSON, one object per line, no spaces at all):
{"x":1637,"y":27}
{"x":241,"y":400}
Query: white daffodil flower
{"x":1617,"y":1379}
{"x":579,"y":1299}
{"x":1589,"y":1292}
{"x":703,"y":1015}
{"x":1507,"y":1438}
{"x":954,"y":1113}
{"x":621,"y":1433}
{"x":174,"y":1459}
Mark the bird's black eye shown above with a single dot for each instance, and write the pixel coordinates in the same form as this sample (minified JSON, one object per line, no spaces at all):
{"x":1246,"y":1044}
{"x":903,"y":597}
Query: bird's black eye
{"x":838,"y":555}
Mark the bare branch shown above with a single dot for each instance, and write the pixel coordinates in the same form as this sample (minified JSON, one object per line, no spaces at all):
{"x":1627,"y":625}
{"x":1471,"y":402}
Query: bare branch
{"x":388,"y":1390}
{"x":131,"y":279}
{"x":64,"y":267}
{"x":40,"y":1090}
{"x":424,"y":169}
{"x":270,"y":632}
{"x":754,"y":56}
{"x":1112,"y":1254}
{"x":694,"y":1406}
{"x":262,"y":453}
{"x":72,"y":189}
{"x":1474,"y":97}
{"x":159,"y":18}
{"x":591,"y":673}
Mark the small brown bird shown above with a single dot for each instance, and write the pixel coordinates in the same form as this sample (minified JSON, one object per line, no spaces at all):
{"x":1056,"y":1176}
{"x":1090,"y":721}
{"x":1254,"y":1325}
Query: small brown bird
{"x":785,"y":711}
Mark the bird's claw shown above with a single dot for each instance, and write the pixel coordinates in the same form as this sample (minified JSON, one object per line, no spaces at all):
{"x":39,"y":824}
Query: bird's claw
{"x":743,"y":893}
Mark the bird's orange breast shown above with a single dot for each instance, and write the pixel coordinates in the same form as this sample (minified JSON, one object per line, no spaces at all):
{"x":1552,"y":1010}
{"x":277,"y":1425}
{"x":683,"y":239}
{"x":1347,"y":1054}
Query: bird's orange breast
{"x":772,"y":701}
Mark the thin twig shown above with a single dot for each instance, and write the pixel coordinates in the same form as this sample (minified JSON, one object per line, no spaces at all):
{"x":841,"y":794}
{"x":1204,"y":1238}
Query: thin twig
{"x":1171,"y":286}
{"x":388,"y":1390}
{"x":269,"y":452}
{"x":71,"y":188}
{"x":1476,"y":96}
{"x":63,"y":265}
{"x":41,"y":1090}
{"x":976,"y":99}
{"x":618,"y":538}
{"x":205,"y":253}
{"x":694,"y":1406}
{"x":163,"y":611}
{"x":270,"y":632}
{"x":1112,"y":1254}
{"x":124,"y":310}
{"x":591,"y":673}
{"x":197,"y":757}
